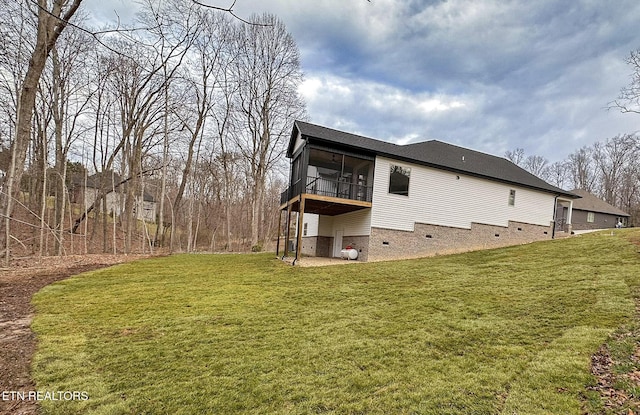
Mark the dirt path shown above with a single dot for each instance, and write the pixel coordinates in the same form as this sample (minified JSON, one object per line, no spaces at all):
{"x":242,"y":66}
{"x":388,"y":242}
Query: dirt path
{"x":17,"y":341}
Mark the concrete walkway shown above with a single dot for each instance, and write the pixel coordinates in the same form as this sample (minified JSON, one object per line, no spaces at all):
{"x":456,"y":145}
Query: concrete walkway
{"x":319,"y":261}
{"x":580,"y":232}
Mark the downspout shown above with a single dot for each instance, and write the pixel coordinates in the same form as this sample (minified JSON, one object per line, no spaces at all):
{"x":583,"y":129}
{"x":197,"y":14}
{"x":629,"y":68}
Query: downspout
{"x":555,"y":212}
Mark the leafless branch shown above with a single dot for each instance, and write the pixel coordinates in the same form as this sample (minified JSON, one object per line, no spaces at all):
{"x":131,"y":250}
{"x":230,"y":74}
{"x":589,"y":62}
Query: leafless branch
{"x":230,"y":11}
{"x":629,"y":99}
{"x":95,"y":33}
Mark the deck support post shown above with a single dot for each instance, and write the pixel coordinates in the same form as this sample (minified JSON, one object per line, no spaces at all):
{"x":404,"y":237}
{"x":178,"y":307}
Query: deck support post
{"x":288,"y":230}
{"x":300,"y":227}
{"x":279,"y":231}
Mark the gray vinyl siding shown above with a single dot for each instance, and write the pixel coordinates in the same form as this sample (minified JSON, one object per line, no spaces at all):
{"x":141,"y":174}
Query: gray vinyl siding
{"x":600,"y":220}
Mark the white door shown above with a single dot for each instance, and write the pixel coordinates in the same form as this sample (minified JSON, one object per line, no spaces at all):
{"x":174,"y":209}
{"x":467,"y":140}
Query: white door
{"x":337,"y":243}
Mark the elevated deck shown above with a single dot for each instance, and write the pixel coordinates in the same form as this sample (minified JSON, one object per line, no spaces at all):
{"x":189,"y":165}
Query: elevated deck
{"x":326,"y":197}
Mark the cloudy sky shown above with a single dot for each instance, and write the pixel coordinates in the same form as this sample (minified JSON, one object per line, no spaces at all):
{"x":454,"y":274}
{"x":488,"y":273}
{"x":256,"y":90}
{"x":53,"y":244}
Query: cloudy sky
{"x":491,"y":75}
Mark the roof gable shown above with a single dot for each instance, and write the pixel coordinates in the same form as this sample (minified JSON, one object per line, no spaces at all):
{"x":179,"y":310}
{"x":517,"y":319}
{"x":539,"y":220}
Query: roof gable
{"x":432,"y":153}
{"x":338,"y":138}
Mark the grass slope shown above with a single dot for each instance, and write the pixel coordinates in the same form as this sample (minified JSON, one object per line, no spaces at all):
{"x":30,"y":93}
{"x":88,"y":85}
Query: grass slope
{"x":500,"y":331}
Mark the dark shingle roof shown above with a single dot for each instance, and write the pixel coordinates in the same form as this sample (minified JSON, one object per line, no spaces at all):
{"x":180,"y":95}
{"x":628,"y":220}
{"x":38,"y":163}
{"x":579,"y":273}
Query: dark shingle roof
{"x":340,"y":138}
{"x":432,"y":153}
{"x":592,"y":203}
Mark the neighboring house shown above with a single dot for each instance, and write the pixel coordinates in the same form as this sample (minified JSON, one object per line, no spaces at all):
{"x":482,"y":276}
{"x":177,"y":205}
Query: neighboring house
{"x":591,"y":212}
{"x":395,"y":201}
{"x":87,"y":192}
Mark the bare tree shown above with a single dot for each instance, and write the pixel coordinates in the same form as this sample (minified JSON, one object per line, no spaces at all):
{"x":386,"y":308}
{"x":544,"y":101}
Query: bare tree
{"x":581,"y":169}
{"x":53,"y":18}
{"x":197,"y":96}
{"x":629,"y":99}
{"x":558,"y":174}
{"x":537,"y":165}
{"x":612,"y":158}
{"x":39,"y":169}
{"x":238,"y":93}
{"x":17,"y":37}
{"x":516,"y":156}
{"x":268,"y":72}
{"x":216,"y":50}
{"x":629,"y":193}
{"x":139,"y":87}
{"x":71,"y":96}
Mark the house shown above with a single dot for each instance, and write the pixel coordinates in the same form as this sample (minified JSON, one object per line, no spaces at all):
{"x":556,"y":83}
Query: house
{"x":87,"y":190}
{"x":591,"y":212}
{"x":395,"y":201}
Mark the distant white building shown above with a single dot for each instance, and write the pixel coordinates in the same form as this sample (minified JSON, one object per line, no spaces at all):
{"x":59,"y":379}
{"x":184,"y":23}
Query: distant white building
{"x":145,"y":207}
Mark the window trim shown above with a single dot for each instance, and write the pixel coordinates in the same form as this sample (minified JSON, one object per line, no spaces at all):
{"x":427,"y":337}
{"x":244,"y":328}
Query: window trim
{"x":512,"y":197}
{"x":591,"y":217}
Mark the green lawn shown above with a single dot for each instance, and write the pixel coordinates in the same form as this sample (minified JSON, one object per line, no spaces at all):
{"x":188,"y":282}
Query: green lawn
{"x":506,"y":331}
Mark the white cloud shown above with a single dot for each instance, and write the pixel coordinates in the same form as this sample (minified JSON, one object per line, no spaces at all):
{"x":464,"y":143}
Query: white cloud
{"x":379,"y":110}
{"x":492,"y":75}
{"x":431,"y":105}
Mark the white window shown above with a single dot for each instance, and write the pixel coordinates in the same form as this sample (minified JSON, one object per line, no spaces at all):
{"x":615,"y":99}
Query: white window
{"x":591,"y":217}
{"x":512,"y":197}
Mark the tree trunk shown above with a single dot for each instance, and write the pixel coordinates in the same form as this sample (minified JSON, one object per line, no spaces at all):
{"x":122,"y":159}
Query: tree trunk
{"x":43,"y":195}
{"x":51,"y":23}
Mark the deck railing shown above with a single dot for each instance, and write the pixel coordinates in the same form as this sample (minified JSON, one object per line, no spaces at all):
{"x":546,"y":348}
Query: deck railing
{"x":327,"y":187}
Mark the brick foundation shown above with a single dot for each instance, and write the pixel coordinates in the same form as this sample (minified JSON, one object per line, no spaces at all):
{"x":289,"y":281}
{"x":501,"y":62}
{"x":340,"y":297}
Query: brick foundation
{"x":361,"y":243}
{"x":317,"y":246}
{"x":428,"y":240}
